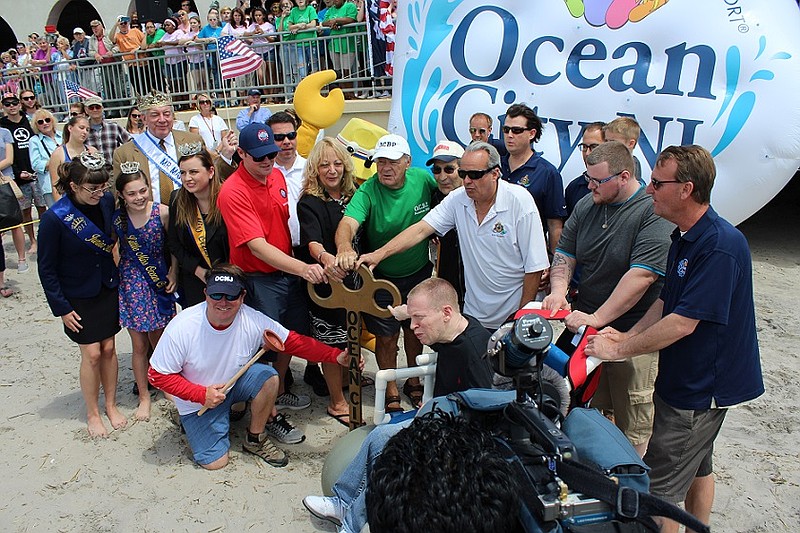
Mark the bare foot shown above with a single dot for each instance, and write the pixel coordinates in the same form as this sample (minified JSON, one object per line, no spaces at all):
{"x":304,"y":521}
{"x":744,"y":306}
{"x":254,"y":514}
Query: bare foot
{"x":97,"y":428}
{"x":143,"y":412}
{"x":32,"y":250}
{"x":118,"y":421}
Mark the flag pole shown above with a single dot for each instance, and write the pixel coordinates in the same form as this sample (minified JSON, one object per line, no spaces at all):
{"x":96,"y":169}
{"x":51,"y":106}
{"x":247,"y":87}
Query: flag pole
{"x":222,"y":82}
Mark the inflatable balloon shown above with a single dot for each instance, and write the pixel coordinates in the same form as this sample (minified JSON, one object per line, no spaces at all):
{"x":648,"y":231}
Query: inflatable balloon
{"x":316,"y":111}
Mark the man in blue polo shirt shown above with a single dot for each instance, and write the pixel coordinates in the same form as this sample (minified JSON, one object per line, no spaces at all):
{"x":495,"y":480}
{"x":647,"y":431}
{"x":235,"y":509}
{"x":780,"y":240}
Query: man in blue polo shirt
{"x":704,"y":326}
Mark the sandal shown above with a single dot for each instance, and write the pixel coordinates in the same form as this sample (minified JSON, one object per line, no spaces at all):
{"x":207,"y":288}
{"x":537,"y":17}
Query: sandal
{"x":414,"y":393}
{"x":5,"y":292}
{"x":393,"y":399}
{"x":343,"y":419}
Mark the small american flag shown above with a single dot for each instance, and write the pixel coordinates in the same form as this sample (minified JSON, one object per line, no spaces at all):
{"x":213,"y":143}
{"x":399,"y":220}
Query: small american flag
{"x":73,"y":90}
{"x":236,"y":58}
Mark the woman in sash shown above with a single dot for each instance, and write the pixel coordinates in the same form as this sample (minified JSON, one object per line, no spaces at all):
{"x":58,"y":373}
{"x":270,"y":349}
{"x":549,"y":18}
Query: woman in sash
{"x":146,"y":302}
{"x":80,"y":279}
{"x":75,"y":134}
{"x":197,"y":235}
{"x":328,"y":186}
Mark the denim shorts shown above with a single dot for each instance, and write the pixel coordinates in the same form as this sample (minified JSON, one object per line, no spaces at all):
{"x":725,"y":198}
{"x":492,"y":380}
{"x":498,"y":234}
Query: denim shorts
{"x":209,"y":435}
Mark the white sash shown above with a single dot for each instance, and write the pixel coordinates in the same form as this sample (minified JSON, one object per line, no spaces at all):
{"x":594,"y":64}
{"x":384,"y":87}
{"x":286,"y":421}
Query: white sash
{"x":162,"y":160}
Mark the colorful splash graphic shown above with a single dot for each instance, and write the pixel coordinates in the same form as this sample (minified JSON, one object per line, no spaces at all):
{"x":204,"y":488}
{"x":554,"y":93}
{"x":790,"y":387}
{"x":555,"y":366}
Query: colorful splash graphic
{"x":613,"y":13}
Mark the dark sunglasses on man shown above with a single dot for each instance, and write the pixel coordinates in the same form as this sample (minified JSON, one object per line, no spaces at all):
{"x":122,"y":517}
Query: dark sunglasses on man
{"x":279,"y":137}
{"x":218,"y":296}
{"x":447,"y":170}
{"x":474,"y":174}
{"x":263,"y":157}
{"x":10,"y":102}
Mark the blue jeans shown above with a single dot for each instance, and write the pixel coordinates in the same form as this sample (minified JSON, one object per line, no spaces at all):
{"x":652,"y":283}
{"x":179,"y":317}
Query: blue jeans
{"x":351,"y":485}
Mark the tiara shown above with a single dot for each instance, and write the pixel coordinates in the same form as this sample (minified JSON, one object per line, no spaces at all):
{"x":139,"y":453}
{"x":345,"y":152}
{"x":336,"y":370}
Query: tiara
{"x":190,"y":149}
{"x":93,"y":161}
{"x":154,"y":99}
{"x":129,"y":167}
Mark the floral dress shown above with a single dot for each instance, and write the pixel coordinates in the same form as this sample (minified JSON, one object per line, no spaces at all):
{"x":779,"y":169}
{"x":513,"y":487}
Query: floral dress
{"x":138,"y":303}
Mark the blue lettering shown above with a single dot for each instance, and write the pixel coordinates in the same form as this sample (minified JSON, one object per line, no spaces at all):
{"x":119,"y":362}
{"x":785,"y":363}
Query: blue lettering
{"x":508,"y":45}
{"x":639,"y":69}
{"x":529,"y":69}
{"x":449,"y":110}
{"x":566,"y":145}
{"x":705,"y":70}
{"x":574,"y":75}
{"x":687,"y":137}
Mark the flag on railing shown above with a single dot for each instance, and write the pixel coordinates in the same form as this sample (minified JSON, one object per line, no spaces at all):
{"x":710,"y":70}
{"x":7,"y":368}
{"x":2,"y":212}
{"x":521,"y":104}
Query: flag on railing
{"x":236,"y":58}
{"x":73,"y":90}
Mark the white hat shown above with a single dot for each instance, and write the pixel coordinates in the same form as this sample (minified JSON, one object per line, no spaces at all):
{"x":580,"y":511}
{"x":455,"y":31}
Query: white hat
{"x":391,"y":147}
{"x":446,"y":151}
{"x":78,"y":30}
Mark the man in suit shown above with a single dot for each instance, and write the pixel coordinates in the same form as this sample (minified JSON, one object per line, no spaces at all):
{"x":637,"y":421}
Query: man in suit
{"x":156,"y":150}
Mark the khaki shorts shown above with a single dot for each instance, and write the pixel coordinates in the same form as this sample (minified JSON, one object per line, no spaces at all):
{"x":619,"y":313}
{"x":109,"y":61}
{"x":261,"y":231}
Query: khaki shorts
{"x":681,"y":448}
{"x":626,"y":390}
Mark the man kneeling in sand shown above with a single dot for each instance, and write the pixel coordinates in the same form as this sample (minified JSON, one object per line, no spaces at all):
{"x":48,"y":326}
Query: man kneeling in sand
{"x":204,"y":346}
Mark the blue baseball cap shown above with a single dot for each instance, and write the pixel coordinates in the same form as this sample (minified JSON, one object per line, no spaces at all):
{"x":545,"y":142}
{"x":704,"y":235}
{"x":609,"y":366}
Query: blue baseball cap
{"x":257,"y":140}
{"x":224,"y":283}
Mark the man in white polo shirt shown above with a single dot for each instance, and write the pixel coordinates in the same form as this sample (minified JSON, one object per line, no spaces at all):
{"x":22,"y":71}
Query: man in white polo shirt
{"x":499,"y":233}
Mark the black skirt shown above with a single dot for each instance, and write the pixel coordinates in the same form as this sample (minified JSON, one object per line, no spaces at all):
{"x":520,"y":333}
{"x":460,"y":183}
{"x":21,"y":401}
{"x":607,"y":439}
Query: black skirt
{"x":99,"y":316}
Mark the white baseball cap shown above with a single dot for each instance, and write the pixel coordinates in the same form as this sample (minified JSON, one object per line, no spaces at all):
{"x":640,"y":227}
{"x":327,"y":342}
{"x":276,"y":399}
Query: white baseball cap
{"x":391,"y":147}
{"x":446,"y":151}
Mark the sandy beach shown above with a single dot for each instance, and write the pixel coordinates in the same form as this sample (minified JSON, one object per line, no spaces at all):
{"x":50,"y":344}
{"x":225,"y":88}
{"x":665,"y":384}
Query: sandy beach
{"x":142,"y":478}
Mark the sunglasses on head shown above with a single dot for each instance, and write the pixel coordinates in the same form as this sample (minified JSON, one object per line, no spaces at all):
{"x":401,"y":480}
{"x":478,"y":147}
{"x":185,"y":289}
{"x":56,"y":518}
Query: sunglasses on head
{"x":279,"y":137}
{"x":474,"y":174}
{"x":447,"y":170}
{"x":263,"y":157}
{"x":516,"y":130}
{"x":41,"y":121}
{"x":217,"y":296}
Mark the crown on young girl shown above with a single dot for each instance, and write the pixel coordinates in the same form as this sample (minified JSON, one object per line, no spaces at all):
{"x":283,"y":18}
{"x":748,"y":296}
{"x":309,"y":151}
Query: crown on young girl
{"x":154,"y":99}
{"x":185,"y":150}
{"x":93,"y":161}
{"x":129,"y":167}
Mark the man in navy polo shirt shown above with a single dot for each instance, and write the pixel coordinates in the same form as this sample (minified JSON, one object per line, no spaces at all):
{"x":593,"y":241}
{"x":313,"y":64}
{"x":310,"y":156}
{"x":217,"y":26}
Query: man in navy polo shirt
{"x":704,"y":326}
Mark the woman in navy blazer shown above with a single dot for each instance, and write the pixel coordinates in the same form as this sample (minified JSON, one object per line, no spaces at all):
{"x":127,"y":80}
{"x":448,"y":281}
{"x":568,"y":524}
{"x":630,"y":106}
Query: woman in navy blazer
{"x":79,"y":277}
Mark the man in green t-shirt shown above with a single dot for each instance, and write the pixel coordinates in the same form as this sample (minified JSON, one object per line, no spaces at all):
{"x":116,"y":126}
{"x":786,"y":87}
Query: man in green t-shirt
{"x":395,"y":198}
{"x":342,"y":49}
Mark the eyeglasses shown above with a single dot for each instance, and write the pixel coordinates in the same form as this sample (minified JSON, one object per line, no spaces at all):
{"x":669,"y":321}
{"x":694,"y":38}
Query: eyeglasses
{"x":587,"y":147}
{"x":263,"y":157}
{"x":482,"y":131}
{"x":9,"y":103}
{"x":75,"y":113}
{"x":474,"y":174}
{"x":279,"y":137}
{"x":29,"y":98}
{"x":596,"y":181}
{"x":94,"y":106}
{"x":658,"y":183}
{"x":45,"y":120}
{"x":136,"y":115}
{"x":94,"y":192}
{"x":217,"y":296}
{"x":516,"y":130}
{"x":447,"y":170}
{"x":204,"y":102}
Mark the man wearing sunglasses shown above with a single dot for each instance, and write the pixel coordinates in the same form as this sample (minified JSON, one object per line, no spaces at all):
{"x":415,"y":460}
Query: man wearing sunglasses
{"x":703,"y":323}
{"x":523,"y":166}
{"x":480,"y":129}
{"x":499,"y":233}
{"x":253,"y":113}
{"x":254,"y":202}
{"x":621,"y":247}
{"x":204,"y":346}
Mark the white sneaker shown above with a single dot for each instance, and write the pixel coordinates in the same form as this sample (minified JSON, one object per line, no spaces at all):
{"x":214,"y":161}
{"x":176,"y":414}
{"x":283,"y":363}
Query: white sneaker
{"x":291,"y":401}
{"x":283,"y":431}
{"x":22,"y":267}
{"x":325,"y":508}
{"x":384,"y":94}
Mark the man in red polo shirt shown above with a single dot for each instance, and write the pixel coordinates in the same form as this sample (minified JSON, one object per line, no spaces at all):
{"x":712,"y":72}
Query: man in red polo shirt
{"x":254,"y":204}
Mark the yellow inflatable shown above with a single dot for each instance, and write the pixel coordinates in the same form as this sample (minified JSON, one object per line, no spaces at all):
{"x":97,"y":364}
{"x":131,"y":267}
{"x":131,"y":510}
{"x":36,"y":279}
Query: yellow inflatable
{"x":359,"y":138}
{"x":316,"y":111}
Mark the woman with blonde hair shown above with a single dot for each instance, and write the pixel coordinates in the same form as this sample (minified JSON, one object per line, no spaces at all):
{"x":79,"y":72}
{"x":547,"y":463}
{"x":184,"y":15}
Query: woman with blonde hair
{"x":42,"y":144}
{"x":207,"y":123}
{"x":329,"y":184}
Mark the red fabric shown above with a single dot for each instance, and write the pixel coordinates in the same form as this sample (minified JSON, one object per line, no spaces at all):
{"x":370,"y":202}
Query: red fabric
{"x":252,"y":210}
{"x":310,"y":349}
{"x":177,"y":385}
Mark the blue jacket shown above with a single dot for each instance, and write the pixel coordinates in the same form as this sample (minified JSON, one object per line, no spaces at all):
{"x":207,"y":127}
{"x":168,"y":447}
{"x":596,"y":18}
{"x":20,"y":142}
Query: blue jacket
{"x":68,"y":267}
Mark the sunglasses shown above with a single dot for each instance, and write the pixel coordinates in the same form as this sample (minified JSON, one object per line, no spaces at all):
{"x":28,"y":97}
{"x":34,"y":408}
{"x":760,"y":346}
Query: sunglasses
{"x":217,"y":296}
{"x":447,"y":170}
{"x":43,"y":121}
{"x":658,"y":183}
{"x":94,"y":106}
{"x":263,"y":157}
{"x":516,"y":130}
{"x":596,"y":181}
{"x":29,"y":98}
{"x":474,"y":174}
{"x":9,"y":103}
{"x":75,"y":113}
{"x":587,"y":147}
{"x":204,"y":102}
{"x":279,"y":137}
{"x":482,"y":131}
{"x":136,"y":115}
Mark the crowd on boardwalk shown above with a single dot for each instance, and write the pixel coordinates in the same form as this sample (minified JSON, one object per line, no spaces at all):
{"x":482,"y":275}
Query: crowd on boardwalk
{"x":136,"y":222}
{"x":180,"y":54}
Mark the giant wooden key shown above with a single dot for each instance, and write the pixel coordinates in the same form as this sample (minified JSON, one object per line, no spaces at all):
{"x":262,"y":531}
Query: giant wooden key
{"x":355,"y":302}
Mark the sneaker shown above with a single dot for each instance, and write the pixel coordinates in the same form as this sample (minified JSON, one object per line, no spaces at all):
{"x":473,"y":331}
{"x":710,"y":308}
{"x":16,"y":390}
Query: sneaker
{"x":22,"y":267}
{"x":292,"y":401}
{"x":325,"y":508}
{"x":283,"y":431}
{"x":384,"y":94}
{"x":265,"y":449}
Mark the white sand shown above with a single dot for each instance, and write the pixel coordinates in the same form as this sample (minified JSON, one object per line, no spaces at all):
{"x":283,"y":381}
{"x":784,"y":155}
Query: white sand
{"x":55,"y":478}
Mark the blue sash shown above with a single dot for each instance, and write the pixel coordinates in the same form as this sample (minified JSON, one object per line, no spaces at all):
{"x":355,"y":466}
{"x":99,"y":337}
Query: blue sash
{"x":150,"y":263}
{"x":162,"y":160}
{"x":79,"y":224}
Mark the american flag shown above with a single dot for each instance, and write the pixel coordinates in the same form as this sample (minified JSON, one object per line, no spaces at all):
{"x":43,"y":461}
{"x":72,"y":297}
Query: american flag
{"x":236,"y":58}
{"x":73,"y":90}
